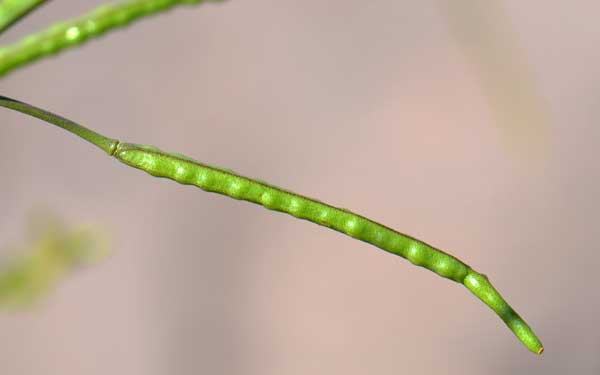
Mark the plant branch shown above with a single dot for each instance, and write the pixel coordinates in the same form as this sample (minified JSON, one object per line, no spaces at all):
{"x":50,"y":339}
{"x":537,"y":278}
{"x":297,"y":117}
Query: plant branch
{"x":105,"y":143}
{"x":219,"y":180}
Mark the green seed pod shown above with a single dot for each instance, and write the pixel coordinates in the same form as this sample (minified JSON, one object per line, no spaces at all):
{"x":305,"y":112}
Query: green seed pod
{"x":77,"y":31}
{"x":222,"y":181}
{"x":218,"y":180}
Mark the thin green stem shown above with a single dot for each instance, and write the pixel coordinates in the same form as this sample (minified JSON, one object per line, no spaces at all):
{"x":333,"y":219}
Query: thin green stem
{"x":106,"y":144}
{"x":77,"y":31}
{"x":12,"y":11}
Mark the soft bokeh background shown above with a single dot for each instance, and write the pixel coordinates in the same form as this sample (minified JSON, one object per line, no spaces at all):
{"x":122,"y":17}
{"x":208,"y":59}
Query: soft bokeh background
{"x":472,"y":125}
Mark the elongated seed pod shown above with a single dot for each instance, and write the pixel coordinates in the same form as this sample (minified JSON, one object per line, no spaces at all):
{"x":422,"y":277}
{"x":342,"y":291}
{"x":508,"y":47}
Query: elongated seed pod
{"x":13,"y":10}
{"x":222,"y":181}
{"x":213,"y":179}
{"x":77,"y":31}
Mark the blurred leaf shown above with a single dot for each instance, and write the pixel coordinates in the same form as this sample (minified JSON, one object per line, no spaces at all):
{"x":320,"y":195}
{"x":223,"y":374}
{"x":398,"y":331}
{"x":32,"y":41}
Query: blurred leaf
{"x":55,"y":250}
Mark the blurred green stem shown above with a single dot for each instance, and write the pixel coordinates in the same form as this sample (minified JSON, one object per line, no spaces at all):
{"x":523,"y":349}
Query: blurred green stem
{"x":12,"y":11}
{"x":77,"y":31}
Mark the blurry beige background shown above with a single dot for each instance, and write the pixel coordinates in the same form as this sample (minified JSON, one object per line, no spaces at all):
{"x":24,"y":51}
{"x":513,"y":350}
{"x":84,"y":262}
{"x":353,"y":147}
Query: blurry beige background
{"x":410,"y":112}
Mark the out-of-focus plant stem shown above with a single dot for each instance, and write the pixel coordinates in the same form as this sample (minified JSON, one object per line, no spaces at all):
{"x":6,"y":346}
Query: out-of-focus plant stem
{"x":12,"y":11}
{"x":79,"y":30}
